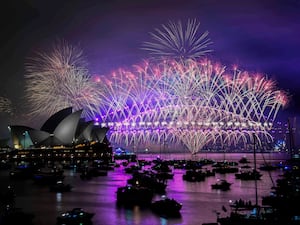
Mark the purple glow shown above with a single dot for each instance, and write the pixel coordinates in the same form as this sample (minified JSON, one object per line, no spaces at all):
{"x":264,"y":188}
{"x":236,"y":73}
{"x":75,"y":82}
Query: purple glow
{"x":202,"y":104}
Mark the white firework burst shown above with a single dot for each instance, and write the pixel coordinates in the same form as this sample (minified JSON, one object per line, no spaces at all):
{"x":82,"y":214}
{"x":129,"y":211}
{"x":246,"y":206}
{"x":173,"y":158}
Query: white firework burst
{"x":60,"y":79}
{"x":178,"y":41}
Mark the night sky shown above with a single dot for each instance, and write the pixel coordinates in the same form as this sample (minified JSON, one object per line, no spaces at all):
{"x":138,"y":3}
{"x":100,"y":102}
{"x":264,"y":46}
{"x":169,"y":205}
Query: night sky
{"x":258,"y":35}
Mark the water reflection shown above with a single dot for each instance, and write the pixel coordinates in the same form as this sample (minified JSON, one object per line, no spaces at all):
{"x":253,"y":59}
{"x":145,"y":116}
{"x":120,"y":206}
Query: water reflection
{"x":133,"y":216}
{"x":163,"y":221}
{"x":58,"y":202}
{"x":200,"y":203}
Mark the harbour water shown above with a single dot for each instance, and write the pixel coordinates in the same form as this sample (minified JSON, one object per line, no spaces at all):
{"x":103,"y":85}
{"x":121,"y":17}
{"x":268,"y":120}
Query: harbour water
{"x":200,"y":202}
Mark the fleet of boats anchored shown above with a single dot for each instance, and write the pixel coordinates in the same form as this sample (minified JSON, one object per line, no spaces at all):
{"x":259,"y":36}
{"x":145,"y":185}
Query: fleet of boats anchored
{"x":149,"y":179}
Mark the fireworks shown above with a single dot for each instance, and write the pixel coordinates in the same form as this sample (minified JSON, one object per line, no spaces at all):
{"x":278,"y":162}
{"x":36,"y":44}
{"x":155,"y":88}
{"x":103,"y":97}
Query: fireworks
{"x":5,"y":105}
{"x":59,"y":79}
{"x":188,"y":103}
{"x":175,"y":40}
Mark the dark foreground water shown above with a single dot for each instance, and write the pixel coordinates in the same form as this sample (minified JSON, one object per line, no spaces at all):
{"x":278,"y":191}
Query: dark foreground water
{"x":200,"y":202}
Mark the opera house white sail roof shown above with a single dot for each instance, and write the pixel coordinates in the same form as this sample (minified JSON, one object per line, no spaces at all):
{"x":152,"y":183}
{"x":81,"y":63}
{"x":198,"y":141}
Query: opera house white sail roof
{"x":64,"y":128}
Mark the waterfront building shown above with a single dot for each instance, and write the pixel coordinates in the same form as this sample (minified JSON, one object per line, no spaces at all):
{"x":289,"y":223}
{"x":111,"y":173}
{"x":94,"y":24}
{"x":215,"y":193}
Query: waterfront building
{"x":64,"y":136}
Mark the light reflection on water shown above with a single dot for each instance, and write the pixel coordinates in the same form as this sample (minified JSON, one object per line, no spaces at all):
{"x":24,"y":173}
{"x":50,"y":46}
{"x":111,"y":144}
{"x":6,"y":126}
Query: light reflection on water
{"x":58,"y":202}
{"x":200,"y":202}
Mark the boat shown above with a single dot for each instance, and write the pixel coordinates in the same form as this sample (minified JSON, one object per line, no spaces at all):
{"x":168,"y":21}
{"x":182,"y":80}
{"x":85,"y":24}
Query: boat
{"x":241,"y":205}
{"x":124,"y":154}
{"x":246,"y":167}
{"x":257,"y":216}
{"x":281,"y":210}
{"x":225,"y":168}
{"x":75,"y":216}
{"x":209,"y":173}
{"x":221,"y":185}
{"x":132,"y":168}
{"x":262,"y":215}
{"x":51,"y":171}
{"x":60,"y":187}
{"x":244,"y":160}
{"x":248,"y":175}
{"x":166,"y":207}
{"x":148,"y":180}
{"x":161,"y":166}
{"x":131,"y":195}
{"x":284,"y":197}
{"x":224,"y":163}
{"x":194,"y":176}
{"x":102,"y":165}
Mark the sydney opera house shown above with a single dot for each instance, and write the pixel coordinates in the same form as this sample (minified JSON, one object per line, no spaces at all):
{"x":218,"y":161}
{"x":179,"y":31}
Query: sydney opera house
{"x":64,"y":135}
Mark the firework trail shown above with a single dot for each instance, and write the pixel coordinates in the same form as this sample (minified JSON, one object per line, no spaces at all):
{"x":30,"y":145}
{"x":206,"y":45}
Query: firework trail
{"x":191,"y":103}
{"x":178,"y":41}
{"x":59,"y":79}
